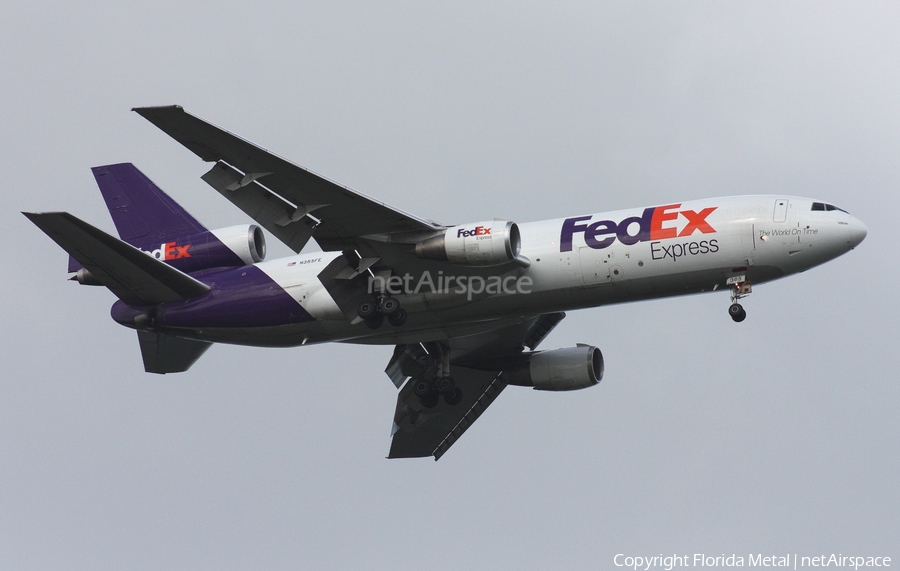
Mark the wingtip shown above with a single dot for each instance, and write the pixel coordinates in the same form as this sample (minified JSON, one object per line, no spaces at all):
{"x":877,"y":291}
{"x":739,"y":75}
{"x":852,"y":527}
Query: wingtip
{"x":151,"y":108}
{"x":42,"y":214}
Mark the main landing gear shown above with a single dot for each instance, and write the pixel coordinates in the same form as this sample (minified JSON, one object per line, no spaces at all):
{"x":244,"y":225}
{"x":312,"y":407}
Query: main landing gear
{"x":430,"y":392}
{"x":442,"y":384}
{"x":374,"y":312}
{"x":740,"y":288}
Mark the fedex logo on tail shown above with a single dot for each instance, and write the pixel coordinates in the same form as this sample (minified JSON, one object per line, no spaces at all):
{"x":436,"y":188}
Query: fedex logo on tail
{"x":170,"y":251}
{"x":656,"y":223}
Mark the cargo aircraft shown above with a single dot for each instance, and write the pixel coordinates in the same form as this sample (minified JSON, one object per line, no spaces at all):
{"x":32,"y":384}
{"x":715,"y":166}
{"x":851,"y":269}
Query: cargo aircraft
{"x":465,"y":306}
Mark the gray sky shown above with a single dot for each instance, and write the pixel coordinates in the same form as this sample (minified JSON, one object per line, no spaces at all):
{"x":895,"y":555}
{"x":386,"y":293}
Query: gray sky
{"x":776,"y":435}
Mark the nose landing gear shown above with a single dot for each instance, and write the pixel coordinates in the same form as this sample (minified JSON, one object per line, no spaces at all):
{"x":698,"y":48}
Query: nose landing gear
{"x":740,"y":288}
{"x":737,"y":312}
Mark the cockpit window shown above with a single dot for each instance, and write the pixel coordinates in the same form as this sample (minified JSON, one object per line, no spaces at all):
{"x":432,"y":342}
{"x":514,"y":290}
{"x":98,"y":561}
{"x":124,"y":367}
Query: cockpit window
{"x":826,"y":207}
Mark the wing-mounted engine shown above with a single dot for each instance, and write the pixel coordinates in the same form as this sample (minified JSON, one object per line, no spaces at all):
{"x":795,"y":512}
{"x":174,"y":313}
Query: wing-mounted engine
{"x":479,"y":244}
{"x":566,"y":369}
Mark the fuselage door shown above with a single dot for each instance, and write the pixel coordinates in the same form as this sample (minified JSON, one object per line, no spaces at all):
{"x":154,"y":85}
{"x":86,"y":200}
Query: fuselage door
{"x":781,"y":208}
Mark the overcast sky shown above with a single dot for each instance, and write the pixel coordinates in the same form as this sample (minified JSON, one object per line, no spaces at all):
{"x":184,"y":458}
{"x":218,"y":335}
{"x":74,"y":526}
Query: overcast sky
{"x":780,"y":434}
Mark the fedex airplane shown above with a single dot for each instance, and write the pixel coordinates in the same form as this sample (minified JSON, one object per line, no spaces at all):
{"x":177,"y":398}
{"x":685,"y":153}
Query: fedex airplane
{"x":465,"y":306}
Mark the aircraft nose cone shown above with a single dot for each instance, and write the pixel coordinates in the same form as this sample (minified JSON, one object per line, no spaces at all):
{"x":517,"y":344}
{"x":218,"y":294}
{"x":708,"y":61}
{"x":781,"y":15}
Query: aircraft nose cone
{"x":857,"y":232}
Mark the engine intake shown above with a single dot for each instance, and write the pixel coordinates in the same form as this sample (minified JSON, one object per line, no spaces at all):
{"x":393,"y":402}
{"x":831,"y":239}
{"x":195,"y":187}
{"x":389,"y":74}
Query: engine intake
{"x":247,"y":241}
{"x":478,"y":244}
{"x":566,"y":369}
{"x":230,"y":247}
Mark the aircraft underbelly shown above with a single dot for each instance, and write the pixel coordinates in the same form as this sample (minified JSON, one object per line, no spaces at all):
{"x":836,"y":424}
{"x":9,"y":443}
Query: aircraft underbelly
{"x":478,"y":315}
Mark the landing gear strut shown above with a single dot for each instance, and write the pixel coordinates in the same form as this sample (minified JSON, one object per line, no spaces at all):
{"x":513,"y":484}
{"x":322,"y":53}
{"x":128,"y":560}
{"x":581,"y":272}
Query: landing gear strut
{"x":740,"y":288}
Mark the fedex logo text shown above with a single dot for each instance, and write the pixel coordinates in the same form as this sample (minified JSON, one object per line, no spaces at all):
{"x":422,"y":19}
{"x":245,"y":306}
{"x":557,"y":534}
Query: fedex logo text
{"x":656,"y":223}
{"x":170,"y":251}
{"x":477,"y":231}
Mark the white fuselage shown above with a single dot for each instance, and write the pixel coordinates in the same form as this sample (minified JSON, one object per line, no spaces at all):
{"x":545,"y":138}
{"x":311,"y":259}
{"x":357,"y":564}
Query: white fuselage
{"x":577,"y":262}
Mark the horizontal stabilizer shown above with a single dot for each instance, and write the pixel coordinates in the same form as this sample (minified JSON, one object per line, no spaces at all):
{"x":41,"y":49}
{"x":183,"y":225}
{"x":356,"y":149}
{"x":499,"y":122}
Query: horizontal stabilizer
{"x":133,"y":276}
{"x":169,"y":354}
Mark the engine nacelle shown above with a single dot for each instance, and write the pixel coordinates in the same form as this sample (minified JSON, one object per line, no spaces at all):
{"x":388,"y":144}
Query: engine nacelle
{"x":478,"y":244}
{"x":230,"y":247}
{"x":247,"y":241}
{"x":565,"y":369}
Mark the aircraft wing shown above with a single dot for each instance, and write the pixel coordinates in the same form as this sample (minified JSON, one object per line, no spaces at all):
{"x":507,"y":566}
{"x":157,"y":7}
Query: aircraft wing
{"x":476,"y":366}
{"x":286,"y":199}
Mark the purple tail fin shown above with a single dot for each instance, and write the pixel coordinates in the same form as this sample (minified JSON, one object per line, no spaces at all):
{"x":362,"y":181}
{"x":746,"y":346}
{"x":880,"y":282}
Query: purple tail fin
{"x":141,"y":211}
{"x":148,"y":219}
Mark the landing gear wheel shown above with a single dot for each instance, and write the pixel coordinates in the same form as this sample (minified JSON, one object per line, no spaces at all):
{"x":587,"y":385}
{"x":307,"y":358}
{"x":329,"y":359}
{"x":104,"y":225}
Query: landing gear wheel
{"x":454,"y":397}
{"x":366,"y":309}
{"x":399,"y":318}
{"x":422,"y":388}
{"x":388,"y":306}
{"x":445,"y":385}
{"x":430,"y":401}
{"x":375,"y":321}
{"x":737,"y":312}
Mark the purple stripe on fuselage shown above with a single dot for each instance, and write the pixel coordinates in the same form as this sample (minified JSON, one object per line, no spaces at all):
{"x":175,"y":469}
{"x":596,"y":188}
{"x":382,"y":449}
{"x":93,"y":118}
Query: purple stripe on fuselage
{"x":240,"y":297}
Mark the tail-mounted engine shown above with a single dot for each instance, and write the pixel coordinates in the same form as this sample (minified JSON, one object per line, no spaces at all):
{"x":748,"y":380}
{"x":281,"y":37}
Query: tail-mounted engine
{"x":230,"y":247}
{"x":246,"y":241}
{"x":566,"y":369}
{"x":478,"y":244}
